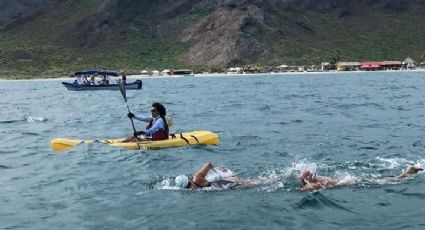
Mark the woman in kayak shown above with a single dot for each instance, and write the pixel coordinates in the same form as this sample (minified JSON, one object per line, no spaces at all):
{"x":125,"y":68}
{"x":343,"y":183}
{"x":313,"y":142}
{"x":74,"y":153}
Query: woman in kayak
{"x":157,"y":128}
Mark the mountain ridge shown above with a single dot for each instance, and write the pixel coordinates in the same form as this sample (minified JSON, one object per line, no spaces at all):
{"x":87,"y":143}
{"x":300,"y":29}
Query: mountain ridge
{"x":61,"y":36}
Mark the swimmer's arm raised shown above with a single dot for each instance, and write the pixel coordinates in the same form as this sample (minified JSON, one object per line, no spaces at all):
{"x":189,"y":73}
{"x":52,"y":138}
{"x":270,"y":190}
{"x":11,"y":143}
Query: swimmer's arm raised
{"x":199,"y":177}
{"x":409,"y":171}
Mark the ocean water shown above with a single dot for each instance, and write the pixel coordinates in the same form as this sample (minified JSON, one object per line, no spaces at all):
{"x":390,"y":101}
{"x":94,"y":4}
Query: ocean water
{"x":354,"y":125}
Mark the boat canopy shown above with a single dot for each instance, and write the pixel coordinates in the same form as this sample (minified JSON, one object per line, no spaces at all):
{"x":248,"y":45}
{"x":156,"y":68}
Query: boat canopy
{"x":97,"y":72}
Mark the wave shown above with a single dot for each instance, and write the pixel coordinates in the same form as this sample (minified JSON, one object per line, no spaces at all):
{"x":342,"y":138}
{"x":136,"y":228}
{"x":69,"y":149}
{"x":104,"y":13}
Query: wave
{"x":28,"y":119}
{"x":317,"y":200}
{"x":5,"y":167}
{"x":31,"y":134}
{"x":10,"y":121}
{"x":404,"y":193}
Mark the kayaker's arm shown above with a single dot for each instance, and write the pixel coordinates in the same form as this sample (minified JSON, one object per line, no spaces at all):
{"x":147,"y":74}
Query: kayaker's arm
{"x":142,"y":118}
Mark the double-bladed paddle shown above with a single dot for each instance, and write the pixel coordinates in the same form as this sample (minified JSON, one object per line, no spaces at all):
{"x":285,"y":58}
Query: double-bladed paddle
{"x":124,"y":95}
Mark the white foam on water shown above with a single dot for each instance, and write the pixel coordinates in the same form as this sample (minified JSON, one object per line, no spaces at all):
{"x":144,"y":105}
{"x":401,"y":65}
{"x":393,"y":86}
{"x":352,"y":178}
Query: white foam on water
{"x":420,"y":163}
{"x":218,"y":173}
{"x":31,"y":119}
{"x":168,"y":184}
{"x":392,"y":163}
{"x":303,"y":165}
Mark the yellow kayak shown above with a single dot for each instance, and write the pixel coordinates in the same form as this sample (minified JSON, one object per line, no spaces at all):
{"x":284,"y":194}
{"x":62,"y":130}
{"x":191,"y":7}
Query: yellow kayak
{"x":174,"y":140}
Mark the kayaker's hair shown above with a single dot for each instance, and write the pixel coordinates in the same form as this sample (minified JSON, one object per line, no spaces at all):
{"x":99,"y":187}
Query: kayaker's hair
{"x":162,"y":113}
{"x":160,"y":108}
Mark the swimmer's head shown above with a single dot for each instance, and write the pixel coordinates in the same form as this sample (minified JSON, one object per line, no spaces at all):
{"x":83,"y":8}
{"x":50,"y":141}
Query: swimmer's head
{"x":306,"y":176}
{"x":182,"y":181}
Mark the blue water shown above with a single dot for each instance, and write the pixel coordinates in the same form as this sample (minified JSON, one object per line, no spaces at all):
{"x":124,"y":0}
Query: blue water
{"x":362,"y":125}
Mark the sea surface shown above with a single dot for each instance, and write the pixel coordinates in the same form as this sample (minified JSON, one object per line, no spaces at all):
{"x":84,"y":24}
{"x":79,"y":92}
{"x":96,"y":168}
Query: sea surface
{"x":365,"y":125}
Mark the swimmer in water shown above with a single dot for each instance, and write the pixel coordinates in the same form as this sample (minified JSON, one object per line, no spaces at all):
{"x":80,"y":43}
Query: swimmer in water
{"x":199,"y":180}
{"x":310,"y":181}
{"x":224,"y":179}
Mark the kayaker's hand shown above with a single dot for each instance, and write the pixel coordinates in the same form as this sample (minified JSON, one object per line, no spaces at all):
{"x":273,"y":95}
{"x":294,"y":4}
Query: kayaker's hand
{"x":130,"y":115}
{"x":139,"y":133}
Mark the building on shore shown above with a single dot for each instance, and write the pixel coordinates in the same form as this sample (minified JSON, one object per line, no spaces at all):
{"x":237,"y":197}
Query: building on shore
{"x":409,"y":63}
{"x":347,"y":66}
{"x":166,"y":72}
{"x":370,"y":66}
{"x":282,"y":68}
{"x":327,"y":66}
{"x":234,"y":70}
{"x":252,"y":69}
{"x":391,"y":65}
{"x":181,"y":72}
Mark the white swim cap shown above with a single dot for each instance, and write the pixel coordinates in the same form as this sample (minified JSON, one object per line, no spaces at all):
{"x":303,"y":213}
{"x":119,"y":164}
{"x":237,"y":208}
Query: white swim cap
{"x":181,"y":181}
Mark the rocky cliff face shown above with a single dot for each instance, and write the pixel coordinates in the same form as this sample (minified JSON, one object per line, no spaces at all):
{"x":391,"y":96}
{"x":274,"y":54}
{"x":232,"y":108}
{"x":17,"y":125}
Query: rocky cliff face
{"x":224,"y":36}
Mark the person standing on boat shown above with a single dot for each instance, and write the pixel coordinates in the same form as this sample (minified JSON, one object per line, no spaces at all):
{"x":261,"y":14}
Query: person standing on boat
{"x":80,"y":80}
{"x":157,"y":128}
{"x":108,"y":80}
{"x":86,"y":81}
{"x":92,"y":80}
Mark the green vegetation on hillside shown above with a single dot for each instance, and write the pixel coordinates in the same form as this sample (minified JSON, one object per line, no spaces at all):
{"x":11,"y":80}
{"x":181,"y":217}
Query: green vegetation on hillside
{"x":75,"y":34}
{"x":40,"y":48}
{"x":318,"y":37}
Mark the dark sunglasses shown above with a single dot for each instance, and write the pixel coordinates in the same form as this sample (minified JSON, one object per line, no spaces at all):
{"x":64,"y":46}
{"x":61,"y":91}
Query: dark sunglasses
{"x":153,"y":110}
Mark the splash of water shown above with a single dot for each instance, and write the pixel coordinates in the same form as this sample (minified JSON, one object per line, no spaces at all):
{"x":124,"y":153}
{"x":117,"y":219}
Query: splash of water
{"x":167,"y":184}
{"x":391,"y":163}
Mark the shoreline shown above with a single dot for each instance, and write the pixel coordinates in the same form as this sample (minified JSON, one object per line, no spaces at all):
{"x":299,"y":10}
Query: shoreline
{"x":226,"y":75}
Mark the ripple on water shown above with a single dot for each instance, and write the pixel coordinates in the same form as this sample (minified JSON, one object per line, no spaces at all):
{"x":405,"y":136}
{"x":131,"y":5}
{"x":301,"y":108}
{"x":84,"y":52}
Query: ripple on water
{"x":317,"y":200}
{"x":363,"y":125}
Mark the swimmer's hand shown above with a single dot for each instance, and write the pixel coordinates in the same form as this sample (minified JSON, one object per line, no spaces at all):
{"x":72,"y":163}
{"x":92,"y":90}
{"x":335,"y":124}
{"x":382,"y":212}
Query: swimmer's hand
{"x":210,"y":165}
{"x":409,"y":171}
{"x":413,"y":169}
{"x":311,"y":187}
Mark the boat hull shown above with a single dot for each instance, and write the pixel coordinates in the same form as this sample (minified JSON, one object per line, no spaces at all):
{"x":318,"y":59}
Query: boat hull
{"x":129,"y":86}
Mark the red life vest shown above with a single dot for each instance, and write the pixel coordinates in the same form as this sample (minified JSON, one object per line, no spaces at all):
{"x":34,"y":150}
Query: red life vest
{"x":159,"y":135}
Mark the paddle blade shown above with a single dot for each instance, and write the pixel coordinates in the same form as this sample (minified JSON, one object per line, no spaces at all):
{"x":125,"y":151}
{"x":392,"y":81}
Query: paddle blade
{"x":61,"y":144}
{"x":122,"y":89}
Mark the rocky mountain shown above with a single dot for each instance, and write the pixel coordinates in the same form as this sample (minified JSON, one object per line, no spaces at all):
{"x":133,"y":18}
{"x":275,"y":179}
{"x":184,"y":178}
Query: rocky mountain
{"x":13,"y":9}
{"x":49,"y":36}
